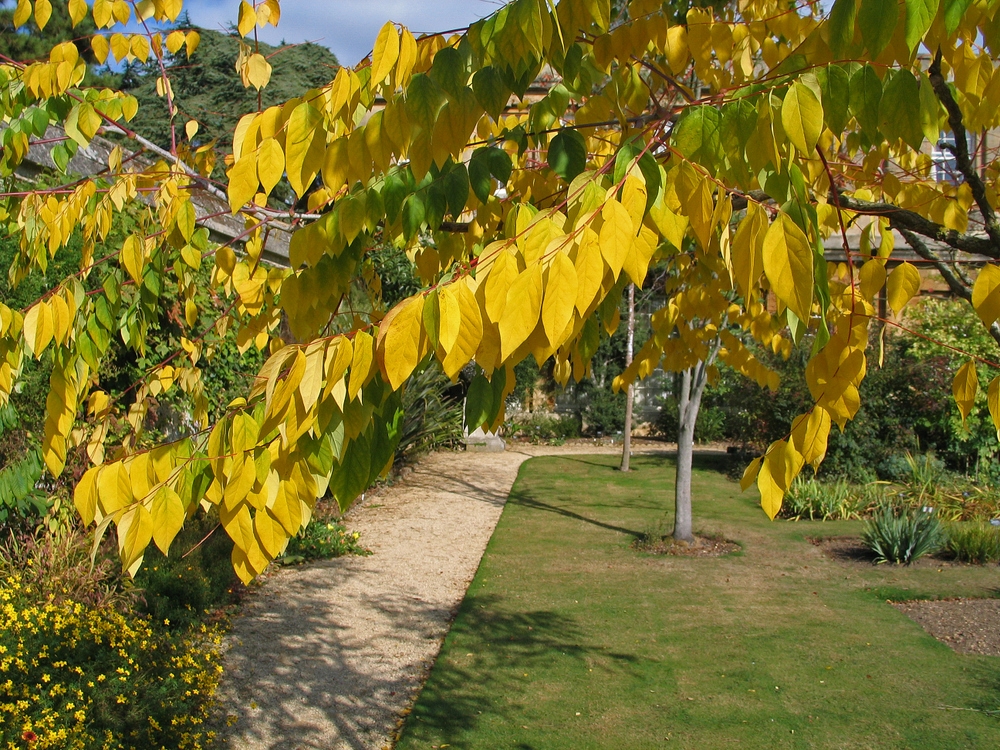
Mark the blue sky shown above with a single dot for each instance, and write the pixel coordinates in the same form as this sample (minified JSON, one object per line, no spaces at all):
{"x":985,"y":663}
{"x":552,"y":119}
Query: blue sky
{"x":348,"y":27}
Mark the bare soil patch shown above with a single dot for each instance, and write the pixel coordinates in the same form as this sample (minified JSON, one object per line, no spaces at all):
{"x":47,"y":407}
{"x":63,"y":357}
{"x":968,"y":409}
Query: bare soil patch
{"x":703,"y":546}
{"x":850,"y":551}
{"x":969,"y":626}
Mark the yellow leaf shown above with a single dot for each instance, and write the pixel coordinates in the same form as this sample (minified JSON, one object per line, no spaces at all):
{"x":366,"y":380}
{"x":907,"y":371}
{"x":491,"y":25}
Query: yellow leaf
{"x":132,"y":257}
{"x":676,"y":49}
{"x":242,"y":182}
{"x":167,"y":515}
{"x":100,"y":45}
{"x":993,"y":401}
{"x":520,"y":314}
{"x":361,"y":362}
{"x":191,"y":129}
{"x":770,"y":493}
{"x":114,"y":488}
{"x":986,"y":294}
{"x":750,"y":474}
{"x":336,"y":165}
{"x":385,"y":54}
{"x":247,"y":18}
{"x":589,"y":270}
{"x":802,"y":117}
{"x":139,"y":47}
{"x":77,"y":11}
{"x":85,"y":495}
{"x":258,"y":70}
{"x":135,"y":529}
{"x":22,"y":13}
{"x":903,"y":284}
{"x":457,"y":301}
{"x":401,"y":332}
{"x":501,"y":275}
{"x":809,"y":435}
{"x":559,"y":301}
{"x":286,"y":508}
{"x":270,"y":164}
{"x":305,"y":147}
{"x":872,"y":277}
{"x":788,"y":265}
{"x":748,"y":259}
{"x":617,"y":234}
{"x":43,"y":12}
{"x":191,"y":40}
{"x":407,"y":57}
{"x":964,"y":388}
{"x":120,"y":47}
{"x":60,"y":319}
{"x":38,"y":328}
{"x":670,"y":225}
{"x":270,"y":533}
{"x":175,"y":40}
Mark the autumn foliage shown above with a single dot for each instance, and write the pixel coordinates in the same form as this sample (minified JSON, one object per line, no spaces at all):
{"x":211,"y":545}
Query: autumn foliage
{"x":725,"y":145}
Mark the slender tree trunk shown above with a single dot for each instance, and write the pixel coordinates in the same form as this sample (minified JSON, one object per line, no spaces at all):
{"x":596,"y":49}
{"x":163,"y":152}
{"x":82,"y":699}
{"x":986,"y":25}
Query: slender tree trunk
{"x":630,"y":395}
{"x":692,"y":387}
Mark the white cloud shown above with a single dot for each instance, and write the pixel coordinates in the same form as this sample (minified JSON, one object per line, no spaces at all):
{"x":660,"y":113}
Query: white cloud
{"x":348,"y":27}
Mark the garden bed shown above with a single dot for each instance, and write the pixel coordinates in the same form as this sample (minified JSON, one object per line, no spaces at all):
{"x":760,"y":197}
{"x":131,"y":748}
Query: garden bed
{"x":969,"y":626}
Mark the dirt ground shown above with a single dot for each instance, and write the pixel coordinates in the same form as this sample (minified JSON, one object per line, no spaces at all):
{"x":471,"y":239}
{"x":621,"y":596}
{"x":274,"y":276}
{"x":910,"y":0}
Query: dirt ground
{"x":330,"y":655}
{"x":970,"y":626}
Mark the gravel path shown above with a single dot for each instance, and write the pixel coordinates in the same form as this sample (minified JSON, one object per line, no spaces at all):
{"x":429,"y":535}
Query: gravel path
{"x":331,"y":655}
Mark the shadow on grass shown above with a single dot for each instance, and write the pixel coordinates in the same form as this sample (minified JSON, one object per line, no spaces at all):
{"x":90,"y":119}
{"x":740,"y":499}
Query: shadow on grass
{"x":520,"y":498}
{"x":511,"y":646}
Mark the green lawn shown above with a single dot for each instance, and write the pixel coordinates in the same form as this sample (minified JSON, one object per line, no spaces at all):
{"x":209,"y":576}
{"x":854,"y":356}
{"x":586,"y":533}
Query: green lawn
{"x":568,"y":638}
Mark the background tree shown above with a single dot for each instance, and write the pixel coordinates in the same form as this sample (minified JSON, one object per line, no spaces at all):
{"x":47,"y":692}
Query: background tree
{"x":733,"y":185}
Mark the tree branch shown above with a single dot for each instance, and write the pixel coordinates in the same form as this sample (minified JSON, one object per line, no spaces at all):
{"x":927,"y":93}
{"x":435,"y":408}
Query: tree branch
{"x":959,"y":286}
{"x":904,"y":219}
{"x":961,"y":148}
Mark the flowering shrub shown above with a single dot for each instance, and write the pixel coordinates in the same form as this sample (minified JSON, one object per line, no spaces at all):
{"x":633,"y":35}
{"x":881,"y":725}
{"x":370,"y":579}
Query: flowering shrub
{"x":321,"y":540}
{"x":76,"y":677}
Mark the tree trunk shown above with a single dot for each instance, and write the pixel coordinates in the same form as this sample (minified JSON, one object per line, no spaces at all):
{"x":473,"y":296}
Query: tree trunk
{"x":630,"y":395}
{"x":692,"y":386}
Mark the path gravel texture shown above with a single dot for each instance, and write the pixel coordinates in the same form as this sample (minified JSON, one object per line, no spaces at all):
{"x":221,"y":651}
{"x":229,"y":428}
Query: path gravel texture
{"x":331,"y":655}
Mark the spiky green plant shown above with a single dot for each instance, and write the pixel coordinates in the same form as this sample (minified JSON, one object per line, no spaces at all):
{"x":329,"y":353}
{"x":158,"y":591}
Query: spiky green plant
{"x":898,"y":535}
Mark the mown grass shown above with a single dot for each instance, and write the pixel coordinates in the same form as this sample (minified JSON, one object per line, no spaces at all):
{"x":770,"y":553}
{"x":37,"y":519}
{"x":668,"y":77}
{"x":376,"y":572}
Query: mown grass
{"x":569,"y":638}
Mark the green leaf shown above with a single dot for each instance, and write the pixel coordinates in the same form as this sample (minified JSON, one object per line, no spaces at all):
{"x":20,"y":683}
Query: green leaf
{"x":866,"y":93}
{"x":802,"y":117}
{"x":877,"y":19}
{"x":568,"y":154}
{"x":393,"y":193}
{"x":479,"y":175}
{"x":350,"y":478}
{"x":698,"y":136}
{"x":456,"y":189}
{"x":490,"y":90}
{"x":919,"y":15}
{"x":953,"y":12}
{"x":835,"y":84}
{"x":413,"y":215}
{"x":841,"y":26}
{"x":424,"y":99}
{"x":500,"y":164}
{"x":899,"y":112}
{"x":478,"y":403}
{"x":449,"y":70}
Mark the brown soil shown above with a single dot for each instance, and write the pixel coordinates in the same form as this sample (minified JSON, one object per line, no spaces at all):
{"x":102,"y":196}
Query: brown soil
{"x":703,"y":546}
{"x":969,"y":626}
{"x":850,"y":551}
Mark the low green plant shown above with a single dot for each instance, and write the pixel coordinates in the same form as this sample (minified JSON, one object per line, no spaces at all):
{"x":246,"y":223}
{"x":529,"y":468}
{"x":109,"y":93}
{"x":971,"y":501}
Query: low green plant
{"x":541,"y":427}
{"x":897,"y":534}
{"x":976,"y":542}
{"x":322,"y":540}
{"x":819,"y":501}
{"x":432,"y":414}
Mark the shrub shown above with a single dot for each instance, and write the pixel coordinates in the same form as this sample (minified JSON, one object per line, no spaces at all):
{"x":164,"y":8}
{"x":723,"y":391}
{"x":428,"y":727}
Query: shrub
{"x":322,"y":540}
{"x":819,"y":501}
{"x":711,"y":426}
{"x":538,"y":426}
{"x":432,"y":415}
{"x":899,"y":535}
{"x":74,"y":676}
{"x":975,"y":542}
